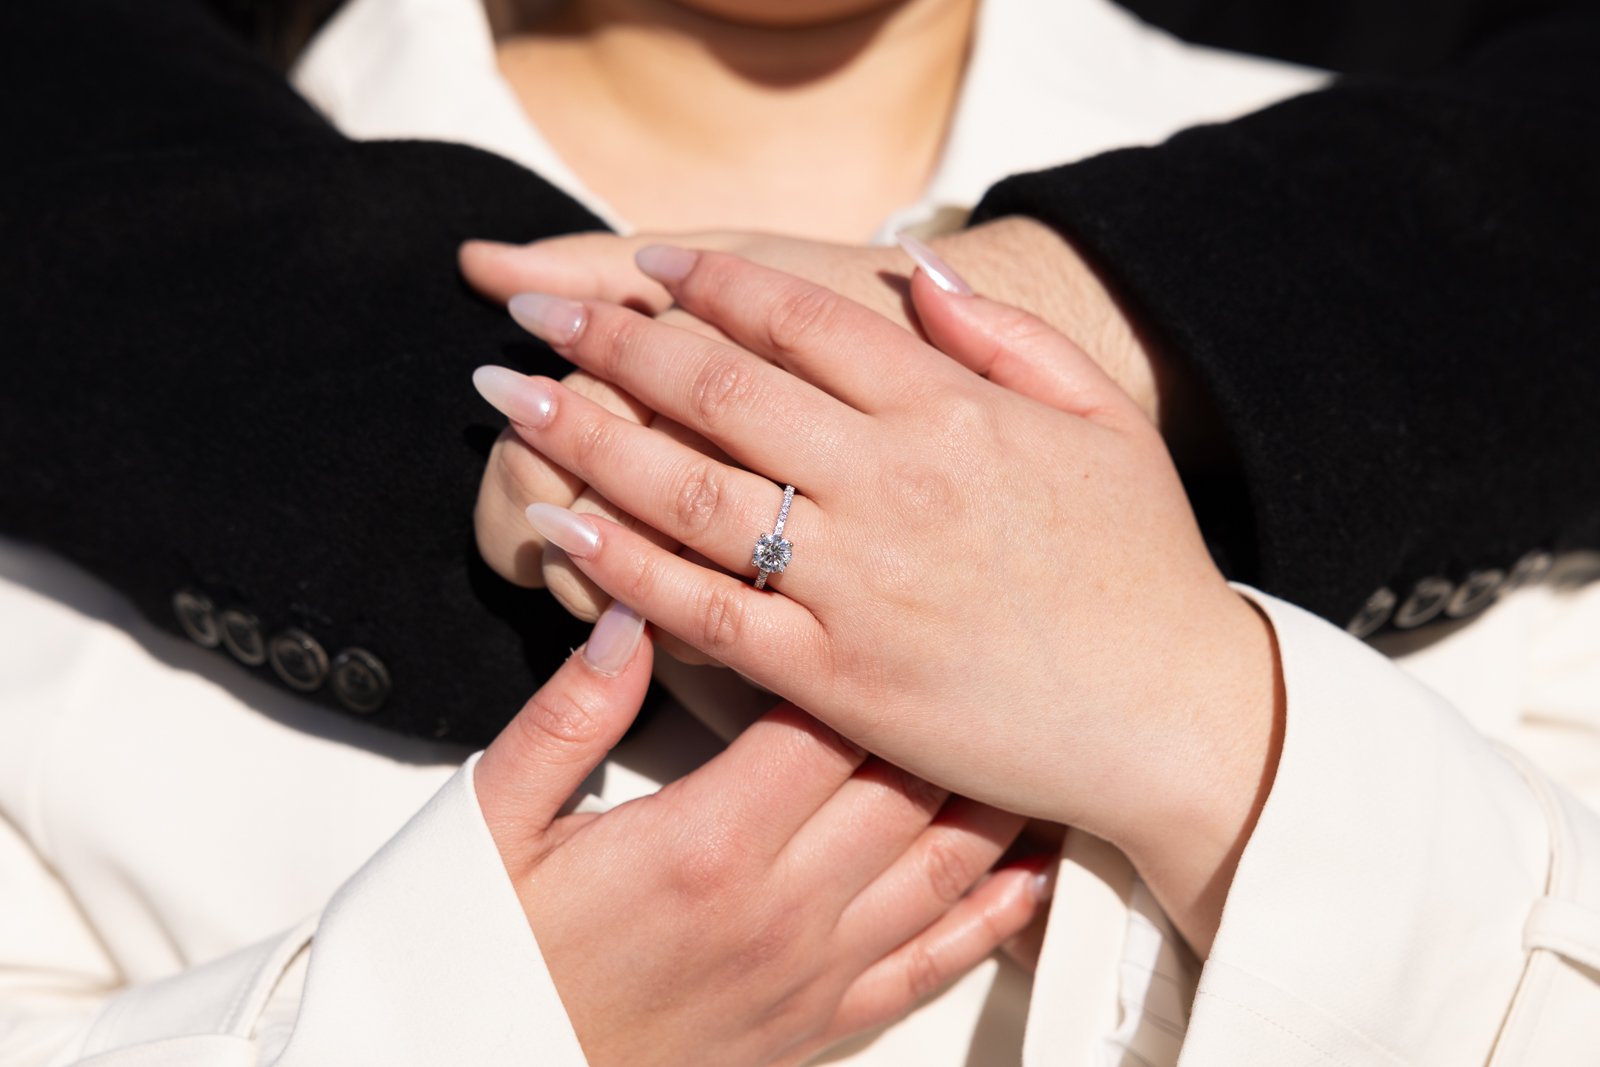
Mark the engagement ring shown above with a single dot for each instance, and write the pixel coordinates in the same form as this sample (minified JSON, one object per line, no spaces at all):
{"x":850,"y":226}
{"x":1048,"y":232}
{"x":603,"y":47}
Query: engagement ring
{"x":773,"y":552}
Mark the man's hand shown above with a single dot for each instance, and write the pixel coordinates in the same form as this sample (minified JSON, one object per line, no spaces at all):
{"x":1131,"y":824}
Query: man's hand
{"x":786,"y":895}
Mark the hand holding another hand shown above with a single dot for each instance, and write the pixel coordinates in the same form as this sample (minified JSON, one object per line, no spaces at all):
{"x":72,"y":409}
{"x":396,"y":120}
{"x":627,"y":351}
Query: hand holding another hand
{"x":1010,"y":598}
{"x":1016,"y":261}
{"x":786,"y":895}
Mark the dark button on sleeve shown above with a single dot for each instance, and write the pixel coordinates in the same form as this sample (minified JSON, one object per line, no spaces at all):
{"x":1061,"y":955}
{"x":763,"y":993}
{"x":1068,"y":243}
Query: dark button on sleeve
{"x":1529,"y":569}
{"x":1373,"y":614}
{"x":360,"y":680}
{"x":241,"y":636}
{"x":197,"y":617}
{"x":1476,"y":592}
{"x":298,"y":659}
{"x":1428,"y":598}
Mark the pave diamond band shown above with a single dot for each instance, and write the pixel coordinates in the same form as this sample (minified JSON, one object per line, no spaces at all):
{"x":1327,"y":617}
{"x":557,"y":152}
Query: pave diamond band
{"x":773,"y":552}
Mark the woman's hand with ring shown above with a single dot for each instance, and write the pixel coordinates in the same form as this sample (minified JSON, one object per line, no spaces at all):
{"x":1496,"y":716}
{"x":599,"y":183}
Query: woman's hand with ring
{"x":1009,"y":598}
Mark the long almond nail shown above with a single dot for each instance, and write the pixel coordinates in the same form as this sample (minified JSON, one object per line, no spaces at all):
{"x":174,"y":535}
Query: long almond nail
{"x":549,"y":318}
{"x":938,"y":271}
{"x":615,"y":636}
{"x":666,"y":263}
{"x":519,"y":398}
{"x":567,"y":530}
{"x":1042,"y":886}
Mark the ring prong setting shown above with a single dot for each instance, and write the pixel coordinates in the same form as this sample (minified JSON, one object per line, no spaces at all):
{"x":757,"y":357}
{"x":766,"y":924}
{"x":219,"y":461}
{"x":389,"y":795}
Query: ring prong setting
{"x":773,"y":553}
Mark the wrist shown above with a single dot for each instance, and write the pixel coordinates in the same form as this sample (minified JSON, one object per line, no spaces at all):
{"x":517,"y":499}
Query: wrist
{"x":1021,"y":261}
{"x":1192,"y":800}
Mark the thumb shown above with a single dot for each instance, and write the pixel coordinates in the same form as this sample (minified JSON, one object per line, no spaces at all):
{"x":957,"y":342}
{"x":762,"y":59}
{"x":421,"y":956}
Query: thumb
{"x":1005,"y":344}
{"x":583,"y":266}
{"x":558,"y":738}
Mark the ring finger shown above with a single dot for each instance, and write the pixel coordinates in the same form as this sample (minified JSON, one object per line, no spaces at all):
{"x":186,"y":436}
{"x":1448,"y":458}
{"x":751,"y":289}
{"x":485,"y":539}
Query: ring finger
{"x":718,"y":510}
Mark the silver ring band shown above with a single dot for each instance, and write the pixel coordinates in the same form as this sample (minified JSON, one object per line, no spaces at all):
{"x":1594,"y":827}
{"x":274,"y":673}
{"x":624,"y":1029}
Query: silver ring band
{"x":773,"y":552}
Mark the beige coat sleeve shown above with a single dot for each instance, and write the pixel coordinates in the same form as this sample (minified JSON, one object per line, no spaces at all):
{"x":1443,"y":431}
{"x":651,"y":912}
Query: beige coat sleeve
{"x":423,"y":957}
{"x":1414,"y":893}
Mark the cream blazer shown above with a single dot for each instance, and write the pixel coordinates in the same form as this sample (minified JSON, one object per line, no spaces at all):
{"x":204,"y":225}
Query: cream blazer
{"x":199,"y":875}
{"x":196,"y":868}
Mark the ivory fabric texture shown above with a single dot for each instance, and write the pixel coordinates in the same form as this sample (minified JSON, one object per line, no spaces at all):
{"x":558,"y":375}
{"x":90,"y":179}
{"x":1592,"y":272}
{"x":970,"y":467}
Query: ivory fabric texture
{"x":198,"y":876}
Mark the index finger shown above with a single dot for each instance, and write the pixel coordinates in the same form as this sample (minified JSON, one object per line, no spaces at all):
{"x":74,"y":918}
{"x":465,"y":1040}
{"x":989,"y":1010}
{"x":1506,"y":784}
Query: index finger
{"x":785,"y":766}
{"x":838,"y":345}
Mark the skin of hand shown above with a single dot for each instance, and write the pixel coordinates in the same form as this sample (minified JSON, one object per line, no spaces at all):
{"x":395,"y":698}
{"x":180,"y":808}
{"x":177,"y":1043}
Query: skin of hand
{"x":1109,"y":678}
{"x":1016,"y":261}
{"x":786,"y":895}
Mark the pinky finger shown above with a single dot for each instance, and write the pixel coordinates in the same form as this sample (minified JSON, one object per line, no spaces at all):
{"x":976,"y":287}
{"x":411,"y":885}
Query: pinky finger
{"x":988,"y":917}
{"x":770,"y":639}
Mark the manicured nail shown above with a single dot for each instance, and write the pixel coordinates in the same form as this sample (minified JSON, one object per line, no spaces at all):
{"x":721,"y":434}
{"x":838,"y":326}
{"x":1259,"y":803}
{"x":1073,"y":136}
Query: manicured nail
{"x":938,"y":271}
{"x":549,"y":318}
{"x":615,"y":636}
{"x":567,"y":530}
{"x":666,"y":263}
{"x":1043,"y":885}
{"x":516,"y":396}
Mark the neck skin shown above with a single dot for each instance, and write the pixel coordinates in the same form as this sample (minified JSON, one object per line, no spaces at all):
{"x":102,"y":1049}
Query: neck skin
{"x":682,"y":121}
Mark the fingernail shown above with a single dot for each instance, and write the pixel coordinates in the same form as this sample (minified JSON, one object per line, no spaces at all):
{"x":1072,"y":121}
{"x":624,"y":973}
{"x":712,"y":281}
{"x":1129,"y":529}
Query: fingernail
{"x":938,"y":271}
{"x":1043,"y":885}
{"x":516,"y":396}
{"x":549,"y":318}
{"x":567,"y":530}
{"x":615,"y":636}
{"x":666,"y":263}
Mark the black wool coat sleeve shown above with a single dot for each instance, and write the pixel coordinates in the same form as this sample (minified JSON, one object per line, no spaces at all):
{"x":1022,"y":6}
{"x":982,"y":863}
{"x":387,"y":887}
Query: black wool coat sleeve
{"x":237,"y":363}
{"x":237,"y":359}
{"x":1390,"y":290}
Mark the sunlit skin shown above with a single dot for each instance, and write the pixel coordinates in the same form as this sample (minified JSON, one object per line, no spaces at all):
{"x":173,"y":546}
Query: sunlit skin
{"x":809,"y":118}
{"x":816,"y":119}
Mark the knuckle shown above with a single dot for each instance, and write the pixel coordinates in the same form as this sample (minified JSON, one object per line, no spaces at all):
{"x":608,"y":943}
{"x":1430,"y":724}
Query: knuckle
{"x":720,"y":388}
{"x":963,"y":418}
{"x":613,"y":337}
{"x":722,"y":621}
{"x":594,"y":443}
{"x":711,"y":869}
{"x":562,"y":717}
{"x":920,"y":493}
{"x":923,"y":976}
{"x":800,"y":316}
{"x":699,"y":499}
{"x":948,"y":873}
{"x":1020,"y":330}
{"x":772,"y":938}
{"x":644,"y":580}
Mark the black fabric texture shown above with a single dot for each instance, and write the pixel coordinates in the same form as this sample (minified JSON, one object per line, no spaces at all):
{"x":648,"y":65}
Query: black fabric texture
{"x":1386,"y":36}
{"x":1390,"y":290}
{"x":238,"y":356}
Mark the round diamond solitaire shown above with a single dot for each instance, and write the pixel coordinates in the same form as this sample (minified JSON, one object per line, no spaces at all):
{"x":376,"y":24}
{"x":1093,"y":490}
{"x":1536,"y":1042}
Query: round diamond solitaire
{"x":773,"y":553}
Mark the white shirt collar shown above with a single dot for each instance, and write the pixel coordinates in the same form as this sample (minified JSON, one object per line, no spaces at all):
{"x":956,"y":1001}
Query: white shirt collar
{"x":1048,"y":82}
